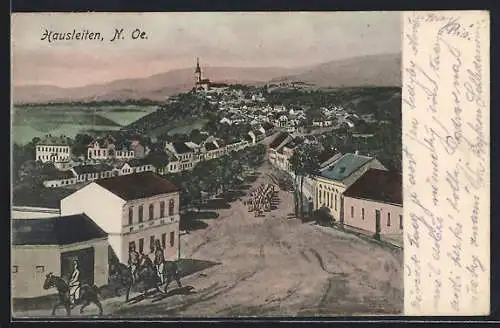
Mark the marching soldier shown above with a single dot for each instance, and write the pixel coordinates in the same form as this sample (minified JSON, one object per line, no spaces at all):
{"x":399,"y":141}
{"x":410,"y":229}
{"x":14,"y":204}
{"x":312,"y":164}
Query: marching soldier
{"x":133,"y":261}
{"x":159,"y":259}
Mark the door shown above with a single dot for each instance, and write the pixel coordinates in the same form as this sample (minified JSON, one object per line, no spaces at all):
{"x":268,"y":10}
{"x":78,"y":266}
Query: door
{"x":85,"y":258}
{"x":377,"y":223}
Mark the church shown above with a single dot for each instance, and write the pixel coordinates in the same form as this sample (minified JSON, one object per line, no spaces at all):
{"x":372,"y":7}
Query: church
{"x":201,"y":84}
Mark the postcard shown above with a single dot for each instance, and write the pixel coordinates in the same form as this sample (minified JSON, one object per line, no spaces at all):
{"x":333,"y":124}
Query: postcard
{"x":251,"y":164}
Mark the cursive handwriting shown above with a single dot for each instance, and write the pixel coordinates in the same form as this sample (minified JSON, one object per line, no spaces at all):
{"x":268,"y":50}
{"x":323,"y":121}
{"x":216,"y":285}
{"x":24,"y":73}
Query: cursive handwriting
{"x":445,"y":118}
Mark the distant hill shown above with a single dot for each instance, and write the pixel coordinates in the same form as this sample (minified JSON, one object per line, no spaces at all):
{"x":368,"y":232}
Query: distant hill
{"x":379,"y":70}
{"x":374,"y":70}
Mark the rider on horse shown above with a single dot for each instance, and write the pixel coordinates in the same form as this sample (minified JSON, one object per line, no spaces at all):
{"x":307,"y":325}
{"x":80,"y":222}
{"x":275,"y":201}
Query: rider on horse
{"x":159,"y":259}
{"x":133,"y":261}
{"x":74,"y":283}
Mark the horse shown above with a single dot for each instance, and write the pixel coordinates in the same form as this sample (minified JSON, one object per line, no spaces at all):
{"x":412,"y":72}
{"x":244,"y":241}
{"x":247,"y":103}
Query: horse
{"x":146,"y":274}
{"x":171,"y":272}
{"x":88,"y":294}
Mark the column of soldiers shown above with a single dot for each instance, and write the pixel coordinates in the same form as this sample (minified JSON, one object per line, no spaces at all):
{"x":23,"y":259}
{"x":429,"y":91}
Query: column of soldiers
{"x":261,"y":198}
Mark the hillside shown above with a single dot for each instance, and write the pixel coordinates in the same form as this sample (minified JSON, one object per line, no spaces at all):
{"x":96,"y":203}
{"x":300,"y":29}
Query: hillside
{"x":377,"y":70}
{"x":156,"y":87}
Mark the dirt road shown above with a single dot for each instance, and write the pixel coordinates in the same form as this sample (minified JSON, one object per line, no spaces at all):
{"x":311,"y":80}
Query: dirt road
{"x":275,"y":266}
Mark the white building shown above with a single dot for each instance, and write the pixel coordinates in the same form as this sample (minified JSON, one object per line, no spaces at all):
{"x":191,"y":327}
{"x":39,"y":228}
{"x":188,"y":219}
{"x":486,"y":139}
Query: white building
{"x":41,"y":246}
{"x":135,"y":208}
{"x":53,"y":149}
{"x":108,"y":147}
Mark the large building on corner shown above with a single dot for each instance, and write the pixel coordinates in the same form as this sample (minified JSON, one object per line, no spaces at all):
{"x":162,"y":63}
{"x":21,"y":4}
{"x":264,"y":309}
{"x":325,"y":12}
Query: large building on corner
{"x":131,"y":209}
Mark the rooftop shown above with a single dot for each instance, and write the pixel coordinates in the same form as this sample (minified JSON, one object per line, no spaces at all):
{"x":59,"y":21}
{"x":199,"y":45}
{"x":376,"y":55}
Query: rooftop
{"x":279,"y":140}
{"x":326,"y":154}
{"x":61,"y":230}
{"x":379,"y":185}
{"x":84,"y":169}
{"x":53,"y":141}
{"x":138,"y":185}
{"x":344,"y":166}
{"x":42,"y":197}
{"x":181,"y":147}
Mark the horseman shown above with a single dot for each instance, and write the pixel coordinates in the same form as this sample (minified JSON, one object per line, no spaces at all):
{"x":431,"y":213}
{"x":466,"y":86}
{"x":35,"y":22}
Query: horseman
{"x":74,"y":283}
{"x":133,"y":261}
{"x":159,"y":259}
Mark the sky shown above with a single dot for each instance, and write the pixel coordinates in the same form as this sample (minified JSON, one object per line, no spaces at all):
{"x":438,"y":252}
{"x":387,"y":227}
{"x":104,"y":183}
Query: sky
{"x":174,"y":40}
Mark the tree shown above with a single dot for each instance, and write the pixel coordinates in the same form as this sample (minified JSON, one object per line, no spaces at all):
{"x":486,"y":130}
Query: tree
{"x":304,"y":163}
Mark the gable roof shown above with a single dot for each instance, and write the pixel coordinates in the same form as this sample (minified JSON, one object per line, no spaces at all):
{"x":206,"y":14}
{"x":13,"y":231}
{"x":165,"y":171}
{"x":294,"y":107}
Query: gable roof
{"x":344,"y":166}
{"x":138,"y":185}
{"x":61,"y":230}
{"x":378,"y":185}
{"x":84,"y":169}
{"x":181,"y":147}
{"x":210,"y":146}
{"x":279,"y":140}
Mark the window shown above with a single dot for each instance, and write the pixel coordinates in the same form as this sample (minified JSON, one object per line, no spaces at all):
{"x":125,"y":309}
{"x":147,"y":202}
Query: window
{"x":40,"y":269}
{"x":172,"y":238}
{"x":131,"y":244}
{"x":141,"y":245}
{"x":388,"y":219}
{"x":352,"y":211}
{"x":362,"y":214}
{"x":171,"y":207}
{"x":335,"y":202}
{"x":141,"y":213}
{"x":401,"y":222}
{"x":151,"y":211}
{"x":163,"y":239}
{"x":14,"y":268}
{"x":130,"y":216}
{"x":152,"y":243}
{"x":162,"y":208}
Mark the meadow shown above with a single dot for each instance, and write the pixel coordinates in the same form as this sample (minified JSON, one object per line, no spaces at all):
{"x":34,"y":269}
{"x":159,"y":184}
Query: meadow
{"x":36,"y":121}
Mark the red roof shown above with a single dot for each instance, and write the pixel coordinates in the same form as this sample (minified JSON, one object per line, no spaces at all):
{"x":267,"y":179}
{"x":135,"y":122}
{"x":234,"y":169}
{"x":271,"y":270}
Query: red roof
{"x":378,"y":185}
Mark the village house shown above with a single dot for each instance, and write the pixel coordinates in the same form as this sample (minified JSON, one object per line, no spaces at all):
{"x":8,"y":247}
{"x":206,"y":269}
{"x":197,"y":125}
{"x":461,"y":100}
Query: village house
{"x":334,"y":179}
{"x":58,"y":178}
{"x":53,"y":149}
{"x":140,"y":151}
{"x":141,"y":165}
{"x":184,"y":154}
{"x":108,"y":147}
{"x":86,"y":173}
{"x":279,"y":141}
{"x":132,"y":209}
{"x":41,"y":246}
{"x":325,"y":158}
{"x":374,"y":203}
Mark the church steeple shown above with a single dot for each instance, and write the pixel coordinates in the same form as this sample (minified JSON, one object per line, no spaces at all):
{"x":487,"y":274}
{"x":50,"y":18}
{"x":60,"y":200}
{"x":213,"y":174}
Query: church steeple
{"x":197,"y":71}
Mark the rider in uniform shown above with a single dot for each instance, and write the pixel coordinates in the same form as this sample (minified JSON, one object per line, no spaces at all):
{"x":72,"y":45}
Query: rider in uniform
{"x":159,"y":258}
{"x":133,"y":261}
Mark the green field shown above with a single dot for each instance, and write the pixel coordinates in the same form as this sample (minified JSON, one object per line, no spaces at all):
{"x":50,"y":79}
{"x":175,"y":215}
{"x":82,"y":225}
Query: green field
{"x":36,"y":121}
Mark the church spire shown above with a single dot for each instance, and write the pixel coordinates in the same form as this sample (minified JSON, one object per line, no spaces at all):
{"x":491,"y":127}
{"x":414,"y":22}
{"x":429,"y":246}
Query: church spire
{"x":198,"y":69}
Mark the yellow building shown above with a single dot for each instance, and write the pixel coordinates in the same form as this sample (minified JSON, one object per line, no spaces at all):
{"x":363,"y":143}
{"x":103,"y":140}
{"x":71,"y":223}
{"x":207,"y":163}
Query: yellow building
{"x":334,"y":179}
{"x":44,"y":245}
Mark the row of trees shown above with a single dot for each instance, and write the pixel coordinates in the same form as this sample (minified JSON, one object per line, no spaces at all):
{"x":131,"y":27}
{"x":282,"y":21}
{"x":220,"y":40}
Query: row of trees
{"x":217,"y":175}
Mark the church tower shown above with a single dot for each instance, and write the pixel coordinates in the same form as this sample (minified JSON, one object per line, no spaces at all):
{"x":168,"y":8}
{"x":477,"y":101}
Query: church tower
{"x":197,"y":72}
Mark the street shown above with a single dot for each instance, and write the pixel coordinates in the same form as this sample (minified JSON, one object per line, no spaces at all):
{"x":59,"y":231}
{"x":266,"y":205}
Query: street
{"x":272,"y":266}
